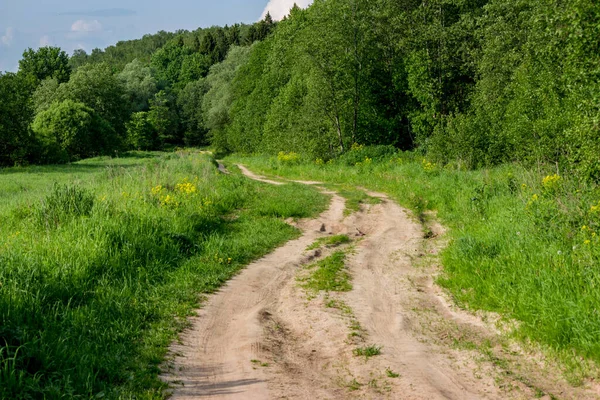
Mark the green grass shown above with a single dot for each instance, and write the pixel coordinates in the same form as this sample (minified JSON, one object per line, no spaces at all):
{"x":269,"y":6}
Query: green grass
{"x":329,"y":241}
{"x":367,"y":351}
{"x":517,"y":246}
{"x":330,"y":275}
{"x":102,"y":261}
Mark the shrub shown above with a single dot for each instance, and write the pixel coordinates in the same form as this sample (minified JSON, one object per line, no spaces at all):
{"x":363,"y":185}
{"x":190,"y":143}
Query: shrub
{"x":358,"y":154}
{"x":290,"y":158}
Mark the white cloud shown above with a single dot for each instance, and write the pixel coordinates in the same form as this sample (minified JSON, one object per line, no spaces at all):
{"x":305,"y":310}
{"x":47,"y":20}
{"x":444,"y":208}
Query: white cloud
{"x":83,"y":26}
{"x":281,"y":8}
{"x":8,"y":37}
{"x":44,"y":41}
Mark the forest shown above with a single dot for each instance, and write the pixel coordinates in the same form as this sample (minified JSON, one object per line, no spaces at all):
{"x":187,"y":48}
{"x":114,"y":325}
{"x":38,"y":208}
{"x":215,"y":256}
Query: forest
{"x":467,"y":82}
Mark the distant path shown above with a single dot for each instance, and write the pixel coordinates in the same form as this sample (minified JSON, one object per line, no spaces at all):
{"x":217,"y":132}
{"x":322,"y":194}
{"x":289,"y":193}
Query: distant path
{"x":263,"y":337}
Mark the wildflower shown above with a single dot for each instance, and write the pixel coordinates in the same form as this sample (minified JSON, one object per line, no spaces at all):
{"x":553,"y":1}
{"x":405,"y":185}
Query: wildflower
{"x":523,"y":186}
{"x":428,"y":166}
{"x":584,"y":228}
{"x":595,"y":208}
{"x":186,"y":187}
{"x":169,"y":201}
{"x":319,"y":161}
{"x":551,"y":182}
{"x":559,"y":253}
{"x":156,"y":190}
{"x":587,"y":242}
{"x":288,"y":158}
{"x":356,"y":147}
{"x":535,"y":197}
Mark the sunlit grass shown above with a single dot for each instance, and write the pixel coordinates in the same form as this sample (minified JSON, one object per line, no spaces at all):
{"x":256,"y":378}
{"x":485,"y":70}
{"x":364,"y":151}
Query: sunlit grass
{"x":102,"y":261}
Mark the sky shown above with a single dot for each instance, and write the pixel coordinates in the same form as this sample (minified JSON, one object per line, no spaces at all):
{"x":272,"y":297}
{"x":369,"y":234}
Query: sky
{"x":87,"y":24}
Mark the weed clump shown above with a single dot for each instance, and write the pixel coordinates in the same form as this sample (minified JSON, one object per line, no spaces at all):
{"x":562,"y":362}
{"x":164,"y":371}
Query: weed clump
{"x":63,"y":203}
{"x":367,"y":351}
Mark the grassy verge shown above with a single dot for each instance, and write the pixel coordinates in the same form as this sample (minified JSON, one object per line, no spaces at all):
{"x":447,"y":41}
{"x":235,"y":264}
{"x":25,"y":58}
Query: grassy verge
{"x":102,"y":261}
{"x":523,"y":243}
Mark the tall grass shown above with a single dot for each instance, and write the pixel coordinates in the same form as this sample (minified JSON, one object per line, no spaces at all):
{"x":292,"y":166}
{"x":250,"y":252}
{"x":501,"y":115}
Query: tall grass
{"x":101,"y":261}
{"x":523,"y":243}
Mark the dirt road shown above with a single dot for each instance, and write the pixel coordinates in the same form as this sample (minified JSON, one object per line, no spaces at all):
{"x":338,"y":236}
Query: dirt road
{"x":265,"y":337}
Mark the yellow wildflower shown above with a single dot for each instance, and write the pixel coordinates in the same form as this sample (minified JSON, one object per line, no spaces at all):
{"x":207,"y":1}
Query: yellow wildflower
{"x":356,"y":147}
{"x":428,"y":166}
{"x":551,"y":182}
{"x":169,"y":201}
{"x":288,"y":158}
{"x":156,"y":190}
{"x":186,"y":188}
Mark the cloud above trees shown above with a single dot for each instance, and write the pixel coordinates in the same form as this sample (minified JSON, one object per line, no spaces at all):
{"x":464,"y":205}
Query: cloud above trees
{"x":83,"y":26}
{"x":281,"y":8}
{"x":8,"y":37}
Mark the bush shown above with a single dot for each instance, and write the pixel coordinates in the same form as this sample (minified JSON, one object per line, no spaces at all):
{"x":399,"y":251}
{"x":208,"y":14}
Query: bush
{"x":359,"y":153}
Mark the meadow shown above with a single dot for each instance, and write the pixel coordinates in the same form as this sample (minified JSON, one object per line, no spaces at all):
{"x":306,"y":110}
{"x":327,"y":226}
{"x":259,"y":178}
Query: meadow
{"x":522,"y":242}
{"x":101,"y":261}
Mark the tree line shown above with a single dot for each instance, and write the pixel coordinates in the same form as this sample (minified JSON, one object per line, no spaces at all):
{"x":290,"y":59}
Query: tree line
{"x":471,"y":82}
{"x":140,"y":94}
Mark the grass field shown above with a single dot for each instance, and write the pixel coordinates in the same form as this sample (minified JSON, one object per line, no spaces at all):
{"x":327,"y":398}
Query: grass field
{"x":523,"y":243}
{"x":102,"y":260}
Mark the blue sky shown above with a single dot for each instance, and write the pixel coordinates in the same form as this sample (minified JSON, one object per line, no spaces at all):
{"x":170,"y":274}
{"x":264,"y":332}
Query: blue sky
{"x":87,"y":24}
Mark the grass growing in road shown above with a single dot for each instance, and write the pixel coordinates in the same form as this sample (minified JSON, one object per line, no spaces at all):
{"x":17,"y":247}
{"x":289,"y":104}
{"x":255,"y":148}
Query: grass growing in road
{"x":330,"y":275}
{"x":524,"y":243}
{"x":102,"y":261}
{"x":367,"y":351}
{"x":329,"y":241}
{"x":354,"y":198}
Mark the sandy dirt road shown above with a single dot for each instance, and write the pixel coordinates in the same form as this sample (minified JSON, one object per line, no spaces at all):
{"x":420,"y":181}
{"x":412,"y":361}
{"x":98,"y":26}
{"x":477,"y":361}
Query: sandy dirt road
{"x":264,"y":337}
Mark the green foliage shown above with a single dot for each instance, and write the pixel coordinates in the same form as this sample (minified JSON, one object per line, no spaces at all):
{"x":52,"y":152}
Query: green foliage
{"x":163,"y":119}
{"x":46,"y":62}
{"x":16,"y":112}
{"x":218,"y":99}
{"x":139,"y":85}
{"x":99,"y":89}
{"x":359,"y":154}
{"x":45,"y":94}
{"x":70,"y":131}
{"x":141,"y":134}
{"x":189,"y":102}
